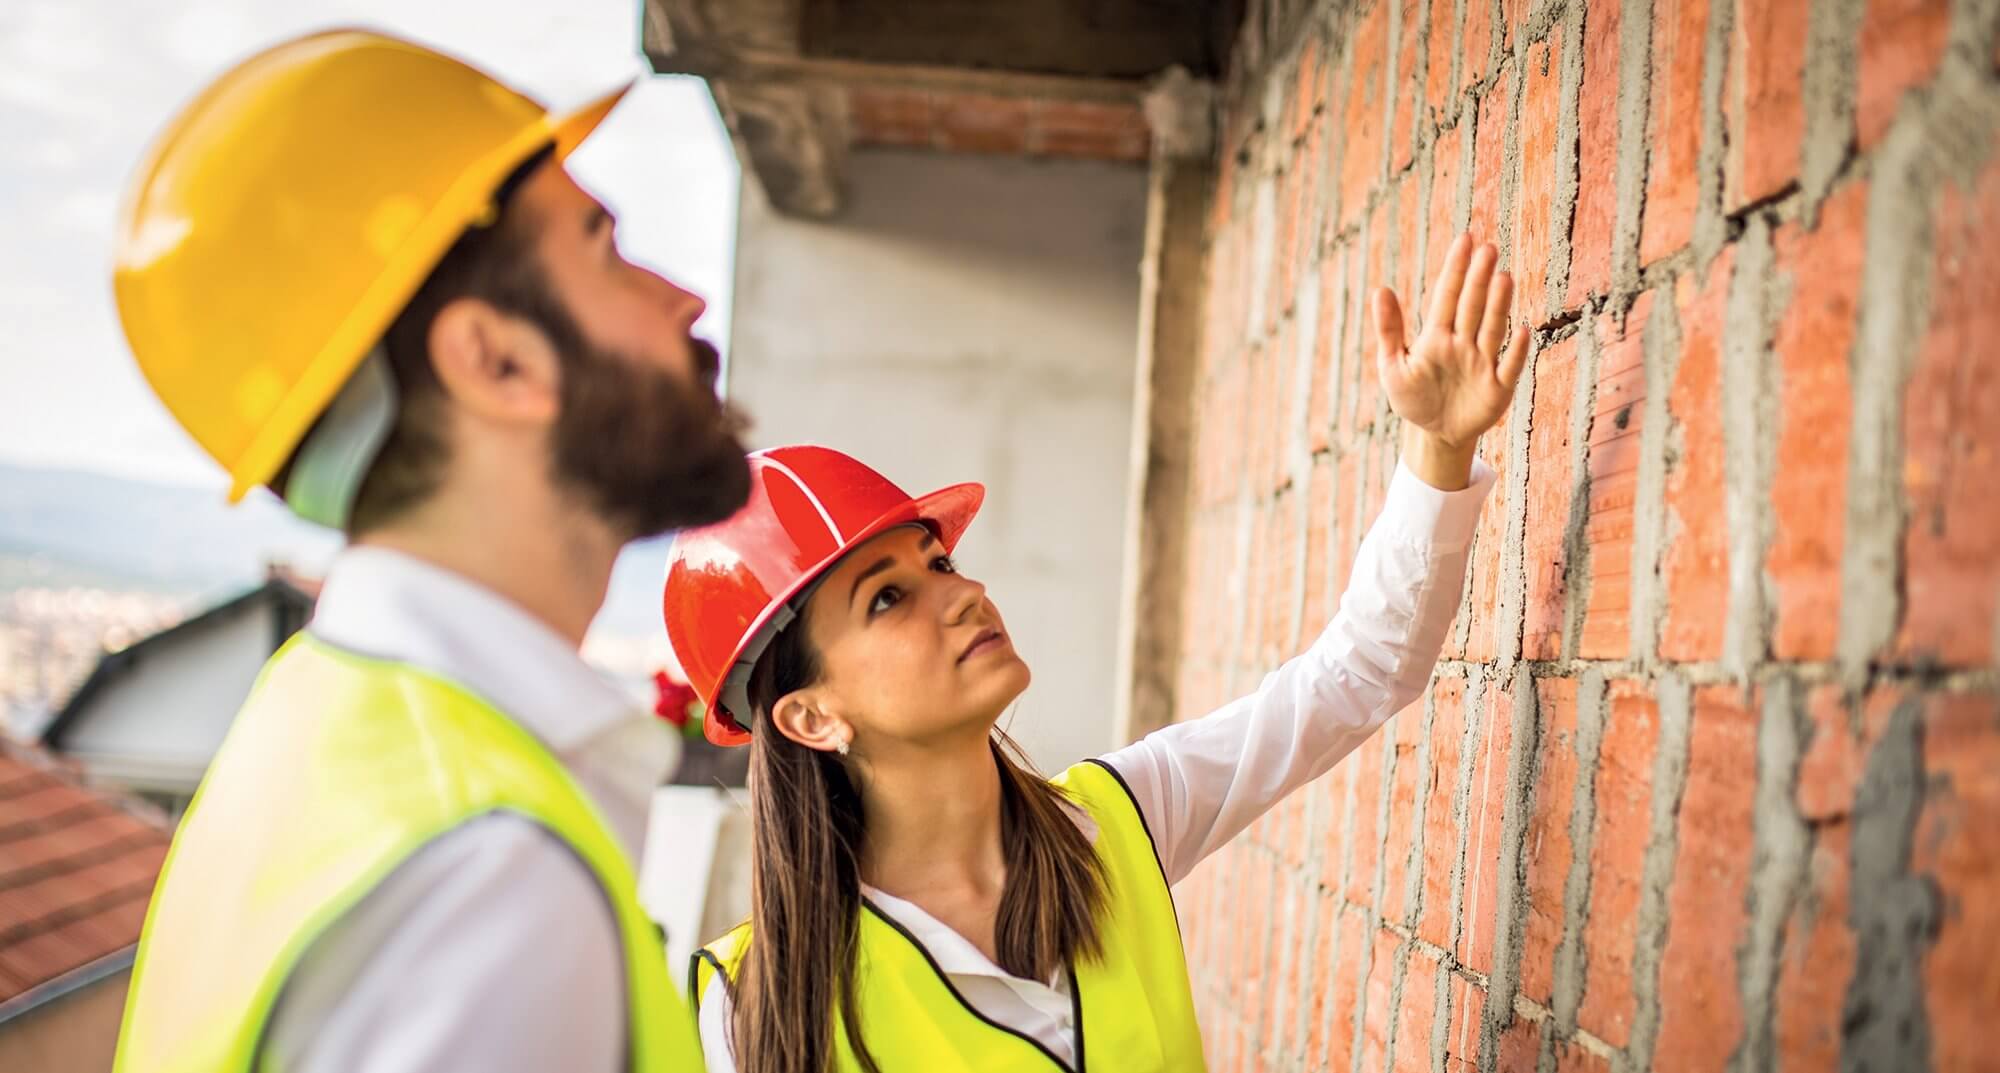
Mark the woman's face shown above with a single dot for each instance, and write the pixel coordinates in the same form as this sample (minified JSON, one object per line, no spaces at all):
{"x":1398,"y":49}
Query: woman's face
{"x":910,"y":650}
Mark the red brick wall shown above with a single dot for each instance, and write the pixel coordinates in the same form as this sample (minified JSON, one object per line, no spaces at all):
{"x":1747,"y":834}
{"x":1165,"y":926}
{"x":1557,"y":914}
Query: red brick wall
{"x":1709,"y":775}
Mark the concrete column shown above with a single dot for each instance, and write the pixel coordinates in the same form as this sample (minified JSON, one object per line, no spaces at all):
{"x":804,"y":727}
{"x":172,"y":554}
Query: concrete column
{"x":1180,"y":111}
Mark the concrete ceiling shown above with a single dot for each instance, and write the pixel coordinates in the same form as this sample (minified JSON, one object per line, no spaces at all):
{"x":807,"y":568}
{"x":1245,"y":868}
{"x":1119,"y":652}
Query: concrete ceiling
{"x":800,"y":81}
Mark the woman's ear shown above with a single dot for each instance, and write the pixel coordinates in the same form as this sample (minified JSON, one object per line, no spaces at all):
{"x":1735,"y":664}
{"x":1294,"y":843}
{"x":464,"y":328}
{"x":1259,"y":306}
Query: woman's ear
{"x":800,"y":716}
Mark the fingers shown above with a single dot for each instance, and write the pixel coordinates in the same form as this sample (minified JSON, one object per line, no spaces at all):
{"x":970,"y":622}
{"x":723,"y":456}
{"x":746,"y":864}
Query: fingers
{"x":1516,"y":359}
{"x":1472,"y":301}
{"x":1388,"y":323}
{"x":1493,"y":324}
{"x":1444,"y":297}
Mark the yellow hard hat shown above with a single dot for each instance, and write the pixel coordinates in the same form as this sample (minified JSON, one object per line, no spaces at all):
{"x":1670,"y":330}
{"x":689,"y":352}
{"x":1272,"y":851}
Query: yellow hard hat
{"x":286,"y":216}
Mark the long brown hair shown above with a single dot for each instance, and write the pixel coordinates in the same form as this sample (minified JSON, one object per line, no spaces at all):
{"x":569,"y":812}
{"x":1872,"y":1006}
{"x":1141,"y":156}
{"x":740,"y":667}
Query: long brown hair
{"x":805,"y":883}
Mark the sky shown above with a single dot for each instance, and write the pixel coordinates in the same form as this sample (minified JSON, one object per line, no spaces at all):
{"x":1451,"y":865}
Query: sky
{"x":85,"y":84}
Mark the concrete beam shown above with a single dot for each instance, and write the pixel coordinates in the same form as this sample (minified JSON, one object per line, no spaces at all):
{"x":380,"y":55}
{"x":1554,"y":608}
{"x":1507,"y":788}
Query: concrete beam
{"x":1114,"y":38}
{"x":793,"y":114}
{"x":793,"y":138}
{"x":1172,"y":279}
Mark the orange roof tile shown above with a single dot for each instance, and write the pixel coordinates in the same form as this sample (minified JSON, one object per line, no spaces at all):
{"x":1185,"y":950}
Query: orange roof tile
{"x":77,"y":867}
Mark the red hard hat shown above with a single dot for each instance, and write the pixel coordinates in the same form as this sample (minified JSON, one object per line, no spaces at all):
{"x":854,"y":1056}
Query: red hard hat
{"x":729,"y":586}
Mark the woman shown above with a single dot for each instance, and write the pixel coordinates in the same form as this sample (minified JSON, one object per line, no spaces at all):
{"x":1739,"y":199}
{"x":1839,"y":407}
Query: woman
{"x":920,"y":899}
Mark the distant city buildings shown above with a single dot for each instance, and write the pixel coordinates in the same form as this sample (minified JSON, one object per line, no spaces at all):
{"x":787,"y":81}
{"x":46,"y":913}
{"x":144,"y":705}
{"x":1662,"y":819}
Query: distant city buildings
{"x":51,"y":638}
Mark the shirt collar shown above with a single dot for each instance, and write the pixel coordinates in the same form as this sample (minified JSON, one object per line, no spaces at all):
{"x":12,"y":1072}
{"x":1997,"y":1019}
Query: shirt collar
{"x":953,"y":952}
{"x":395,"y":606}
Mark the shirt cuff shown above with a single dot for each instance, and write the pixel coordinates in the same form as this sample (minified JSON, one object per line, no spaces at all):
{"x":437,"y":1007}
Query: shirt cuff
{"x":1416,"y":513}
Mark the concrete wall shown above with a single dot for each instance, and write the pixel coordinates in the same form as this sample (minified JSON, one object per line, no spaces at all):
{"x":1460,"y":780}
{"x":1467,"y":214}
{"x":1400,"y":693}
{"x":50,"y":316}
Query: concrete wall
{"x":1705,"y":778}
{"x":156,"y":725}
{"x":77,"y":1033}
{"x":971,"y":318}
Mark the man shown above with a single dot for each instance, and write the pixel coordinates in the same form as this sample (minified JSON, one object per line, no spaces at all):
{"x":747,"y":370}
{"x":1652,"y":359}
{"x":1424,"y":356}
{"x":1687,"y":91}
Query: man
{"x":356,"y":271}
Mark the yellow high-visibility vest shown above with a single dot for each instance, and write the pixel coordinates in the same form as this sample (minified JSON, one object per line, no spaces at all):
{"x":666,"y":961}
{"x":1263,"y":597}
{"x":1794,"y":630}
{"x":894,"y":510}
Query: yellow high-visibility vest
{"x":337,"y":770}
{"x":1134,"y":1006}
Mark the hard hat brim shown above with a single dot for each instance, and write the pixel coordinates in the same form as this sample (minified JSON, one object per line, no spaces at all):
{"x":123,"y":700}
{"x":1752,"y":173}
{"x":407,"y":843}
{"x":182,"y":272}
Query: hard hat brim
{"x":951,"y":509}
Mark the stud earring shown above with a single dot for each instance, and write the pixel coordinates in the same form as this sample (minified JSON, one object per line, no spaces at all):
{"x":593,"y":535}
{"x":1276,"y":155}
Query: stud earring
{"x":842,"y":747}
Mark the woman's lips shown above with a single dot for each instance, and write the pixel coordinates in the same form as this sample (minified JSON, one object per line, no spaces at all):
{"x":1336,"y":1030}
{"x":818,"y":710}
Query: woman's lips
{"x":984,"y":642}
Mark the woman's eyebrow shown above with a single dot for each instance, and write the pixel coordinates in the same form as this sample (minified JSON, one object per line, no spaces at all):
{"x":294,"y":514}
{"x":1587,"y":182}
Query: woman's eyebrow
{"x":885,"y":563}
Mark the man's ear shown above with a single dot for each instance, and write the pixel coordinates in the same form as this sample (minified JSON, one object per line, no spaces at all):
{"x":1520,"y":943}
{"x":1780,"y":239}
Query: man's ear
{"x":495,"y":365}
{"x":801,"y":716}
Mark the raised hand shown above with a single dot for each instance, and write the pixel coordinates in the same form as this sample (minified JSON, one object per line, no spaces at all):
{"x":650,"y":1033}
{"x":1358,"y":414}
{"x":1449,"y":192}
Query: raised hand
{"x":1454,"y":382}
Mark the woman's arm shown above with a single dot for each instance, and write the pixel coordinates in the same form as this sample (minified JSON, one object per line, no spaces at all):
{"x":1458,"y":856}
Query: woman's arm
{"x":1200,"y":783}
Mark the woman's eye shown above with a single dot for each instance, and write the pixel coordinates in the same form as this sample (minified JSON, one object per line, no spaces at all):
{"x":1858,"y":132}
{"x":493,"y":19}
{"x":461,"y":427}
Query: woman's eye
{"x":889,"y":597}
{"x":943,"y":564}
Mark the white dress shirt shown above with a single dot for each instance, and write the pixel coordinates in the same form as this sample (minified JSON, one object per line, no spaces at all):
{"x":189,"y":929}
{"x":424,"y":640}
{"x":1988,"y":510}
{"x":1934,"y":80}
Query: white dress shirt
{"x":493,"y":947}
{"x":1199,"y":784}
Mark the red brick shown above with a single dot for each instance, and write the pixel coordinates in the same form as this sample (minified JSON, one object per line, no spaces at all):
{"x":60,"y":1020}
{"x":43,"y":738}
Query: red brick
{"x":1764,"y":101}
{"x":1346,"y":992}
{"x":1818,"y":959}
{"x":1957,"y":845}
{"x":1257,"y":426}
{"x":1322,"y":984}
{"x":1438,"y":86}
{"x":1544,"y":558}
{"x":1482,"y":632}
{"x":1304,"y":898}
{"x":1279,"y":567}
{"x":1366,"y":385}
{"x":1418,"y":1012}
{"x":1484,"y":809}
{"x":1468,"y":1006}
{"x":1402,"y":836}
{"x":1534,"y":234}
{"x":1287,"y":248}
{"x":1403,"y":122}
{"x":1311,"y":165}
{"x":1597,"y":154}
{"x":1571,"y":1058}
{"x":1381,"y":1010}
{"x":1286,"y":407}
{"x":892,"y":116}
{"x":1951,"y":443}
{"x":1901,"y":43}
{"x":1489,"y":161}
{"x":1370,"y":762}
{"x":1614,"y":481}
{"x":1809,"y":496}
{"x":1520,"y":1045}
{"x":1701,"y":1015}
{"x":1694,"y":564}
{"x":1361,"y":133}
{"x":1440,"y":846}
{"x":1090,"y":130}
{"x":1623,"y":794}
{"x":1302,"y":103}
{"x":1475,"y":42}
{"x":1546,"y":845}
{"x":1346,"y":490}
{"x":1835,"y":756}
{"x":1319,"y":406}
{"x":975,"y":123}
{"x":1410,"y":205}
{"x":1674,"y":136}
{"x":1319,"y":551}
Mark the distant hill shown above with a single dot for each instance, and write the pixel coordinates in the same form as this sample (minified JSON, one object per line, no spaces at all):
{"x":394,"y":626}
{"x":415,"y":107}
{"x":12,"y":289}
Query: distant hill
{"x":139,"y":534}
{"x":72,"y":527}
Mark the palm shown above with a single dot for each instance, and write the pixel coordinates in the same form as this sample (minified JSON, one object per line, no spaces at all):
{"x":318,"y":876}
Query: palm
{"x":1454,"y":382}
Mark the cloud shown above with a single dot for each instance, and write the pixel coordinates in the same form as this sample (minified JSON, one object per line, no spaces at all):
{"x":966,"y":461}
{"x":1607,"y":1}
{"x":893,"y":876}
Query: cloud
{"x":87,"y":84}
